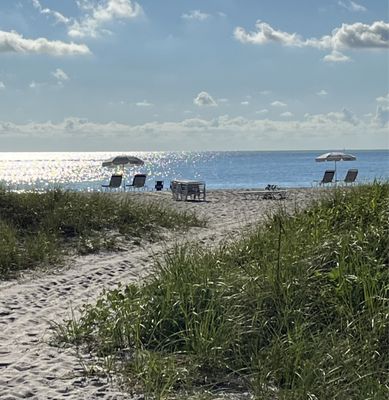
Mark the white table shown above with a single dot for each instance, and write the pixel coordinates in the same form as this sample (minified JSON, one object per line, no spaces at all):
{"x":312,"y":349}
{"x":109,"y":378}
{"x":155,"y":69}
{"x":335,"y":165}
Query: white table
{"x":182,"y":189}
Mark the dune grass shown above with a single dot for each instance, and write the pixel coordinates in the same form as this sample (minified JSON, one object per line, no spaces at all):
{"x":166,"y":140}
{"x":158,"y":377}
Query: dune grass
{"x":38,"y":228}
{"x":296,"y":310}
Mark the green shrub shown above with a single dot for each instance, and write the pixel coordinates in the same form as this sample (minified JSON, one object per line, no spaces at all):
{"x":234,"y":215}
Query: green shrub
{"x":37,"y":228}
{"x":296,"y":310}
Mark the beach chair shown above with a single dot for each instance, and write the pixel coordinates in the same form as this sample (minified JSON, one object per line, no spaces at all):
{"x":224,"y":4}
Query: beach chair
{"x":114,"y":183}
{"x":351,"y":176}
{"x":138,"y":182}
{"x":271,"y":192}
{"x":158,"y":186}
{"x":328,"y":177}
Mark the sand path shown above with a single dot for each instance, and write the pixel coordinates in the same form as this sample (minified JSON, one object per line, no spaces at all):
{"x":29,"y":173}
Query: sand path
{"x":30,"y":367}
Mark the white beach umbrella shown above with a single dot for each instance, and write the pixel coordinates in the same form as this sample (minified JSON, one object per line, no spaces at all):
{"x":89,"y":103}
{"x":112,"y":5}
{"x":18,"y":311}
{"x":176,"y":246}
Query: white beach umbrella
{"x":122,"y":161}
{"x":335,"y":156}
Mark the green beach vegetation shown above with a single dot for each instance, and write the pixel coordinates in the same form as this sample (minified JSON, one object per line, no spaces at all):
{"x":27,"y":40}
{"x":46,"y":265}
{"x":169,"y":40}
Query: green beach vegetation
{"x":298,"y":309}
{"x":39,"y":228}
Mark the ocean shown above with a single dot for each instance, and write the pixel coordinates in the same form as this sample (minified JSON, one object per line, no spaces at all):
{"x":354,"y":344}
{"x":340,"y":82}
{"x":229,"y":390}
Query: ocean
{"x":220,"y":170}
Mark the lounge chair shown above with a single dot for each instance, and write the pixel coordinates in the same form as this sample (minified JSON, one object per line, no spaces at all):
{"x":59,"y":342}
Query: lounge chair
{"x":271,"y":192}
{"x":114,"y":183}
{"x":351,"y":176}
{"x":138,"y":182}
{"x":328,"y":177}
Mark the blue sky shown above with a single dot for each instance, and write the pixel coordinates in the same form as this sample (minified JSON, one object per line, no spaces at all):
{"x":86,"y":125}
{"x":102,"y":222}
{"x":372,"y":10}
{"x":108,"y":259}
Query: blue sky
{"x":193,"y":75}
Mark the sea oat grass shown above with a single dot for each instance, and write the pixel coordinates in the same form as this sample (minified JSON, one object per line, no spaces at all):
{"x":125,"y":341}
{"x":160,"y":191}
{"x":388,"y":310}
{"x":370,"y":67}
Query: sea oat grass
{"x":38,"y":228}
{"x":296,"y":310}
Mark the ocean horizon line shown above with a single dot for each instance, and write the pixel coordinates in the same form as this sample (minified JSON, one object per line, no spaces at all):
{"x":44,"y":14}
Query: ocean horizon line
{"x":196,"y":151}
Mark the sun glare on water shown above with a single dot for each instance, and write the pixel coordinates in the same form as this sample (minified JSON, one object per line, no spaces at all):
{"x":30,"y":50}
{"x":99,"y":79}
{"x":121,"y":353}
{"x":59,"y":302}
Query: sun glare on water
{"x":82,"y":171}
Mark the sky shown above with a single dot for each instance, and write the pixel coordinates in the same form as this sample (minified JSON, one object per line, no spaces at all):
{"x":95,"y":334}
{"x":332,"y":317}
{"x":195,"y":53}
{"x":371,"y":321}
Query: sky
{"x":122,"y":75}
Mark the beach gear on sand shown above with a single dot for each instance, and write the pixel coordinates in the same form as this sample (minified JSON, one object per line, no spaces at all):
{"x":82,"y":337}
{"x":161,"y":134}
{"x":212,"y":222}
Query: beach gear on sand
{"x":158,"y":185}
{"x":328,"y":177}
{"x":122,"y":160}
{"x":335,"y":156}
{"x":271,"y":192}
{"x":114,"y":183}
{"x":138,"y":182}
{"x":351,"y":176}
{"x":184,"y":189}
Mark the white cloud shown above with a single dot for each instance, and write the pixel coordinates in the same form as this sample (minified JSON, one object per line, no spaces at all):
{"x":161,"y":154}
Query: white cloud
{"x":143,"y":103}
{"x":100,"y":14}
{"x":278,"y":104}
{"x":59,"y":18}
{"x":286,"y":114}
{"x":322,"y":93}
{"x":326,"y":126}
{"x":195,"y":15}
{"x":221,"y":133}
{"x":265,"y":92}
{"x":60,"y":75}
{"x":348,"y":36}
{"x":345,"y":116}
{"x":349,"y":116}
{"x":354,"y":36}
{"x":383,"y":99}
{"x":352,"y":6}
{"x":222,"y":100}
{"x":13,"y":42}
{"x":204,"y":99}
{"x":38,"y":85}
{"x":245,"y":103}
{"x":263,"y":111}
{"x":381,"y":117}
{"x":2,"y":86}
{"x":265,"y":33}
{"x":86,"y":5}
{"x":97,"y":14}
{"x":336,"y":57}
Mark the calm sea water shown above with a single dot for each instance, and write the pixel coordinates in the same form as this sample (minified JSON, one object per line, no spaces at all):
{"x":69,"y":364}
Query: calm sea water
{"x":220,"y":170}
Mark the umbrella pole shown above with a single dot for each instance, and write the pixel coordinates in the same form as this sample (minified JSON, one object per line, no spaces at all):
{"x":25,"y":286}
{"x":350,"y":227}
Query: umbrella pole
{"x":124,"y":178}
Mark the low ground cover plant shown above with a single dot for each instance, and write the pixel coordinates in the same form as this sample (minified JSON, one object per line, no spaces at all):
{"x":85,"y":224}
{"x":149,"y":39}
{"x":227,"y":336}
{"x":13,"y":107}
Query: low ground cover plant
{"x":296,"y":310}
{"x":37,"y":228}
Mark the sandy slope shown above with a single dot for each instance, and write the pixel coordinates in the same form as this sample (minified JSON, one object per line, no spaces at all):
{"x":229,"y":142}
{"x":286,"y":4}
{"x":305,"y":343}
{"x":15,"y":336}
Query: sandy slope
{"x":30,"y":367}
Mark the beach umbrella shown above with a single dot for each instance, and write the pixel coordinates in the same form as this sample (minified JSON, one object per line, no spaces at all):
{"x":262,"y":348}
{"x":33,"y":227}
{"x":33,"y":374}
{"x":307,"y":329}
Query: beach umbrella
{"x":122,"y":161}
{"x":335,"y":156}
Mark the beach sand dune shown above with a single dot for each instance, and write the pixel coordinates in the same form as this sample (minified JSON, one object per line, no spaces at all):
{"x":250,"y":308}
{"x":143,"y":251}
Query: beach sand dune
{"x":30,"y":367}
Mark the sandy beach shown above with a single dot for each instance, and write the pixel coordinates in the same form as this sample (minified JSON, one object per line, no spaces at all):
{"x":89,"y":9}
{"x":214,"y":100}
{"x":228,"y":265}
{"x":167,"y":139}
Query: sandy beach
{"x":30,"y":367}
